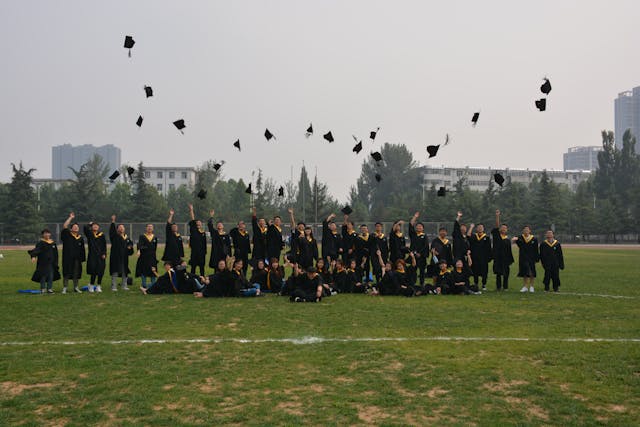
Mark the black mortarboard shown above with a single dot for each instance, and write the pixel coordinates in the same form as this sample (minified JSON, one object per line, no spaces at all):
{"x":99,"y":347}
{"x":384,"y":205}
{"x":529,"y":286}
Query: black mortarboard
{"x":373,"y":134}
{"x":346,"y":210}
{"x":149,"y":91}
{"x":139,"y":121}
{"x":237,"y":145}
{"x":442,"y":192}
{"x":217,"y":166}
{"x":433,"y":150}
{"x":202,"y":194}
{"x":358,"y":147}
{"x":180,"y":125}
{"x":281,"y":192}
{"x":130,"y":171}
{"x":378,"y":177}
{"x":541,"y":104}
{"x":499,"y":179}
{"x":128,"y":43}
{"x":248,"y":190}
{"x":475,"y":118}
{"x":114,"y":175}
{"x":376,"y":156}
{"x":546,"y":86}
{"x":309,"y":130}
{"x":328,"y":136}
{"x":268,"y":135}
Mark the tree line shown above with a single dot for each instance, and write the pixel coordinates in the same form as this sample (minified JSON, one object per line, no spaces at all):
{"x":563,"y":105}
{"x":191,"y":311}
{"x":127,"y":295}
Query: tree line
{"x":608,"y":203}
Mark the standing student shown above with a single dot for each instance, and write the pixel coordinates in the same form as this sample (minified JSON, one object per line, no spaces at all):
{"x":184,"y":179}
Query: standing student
{"x":366,"y":247}
{"x":73,"y":254}
{"x":461,"y":247}
{"x":197,"y":243}
{"x":220,"y":241}
{"x":440,"y":250}
{"x":45,"y":256}
{"x":419,"y":246}
{"x":121,"y":249}
{"x":96,"y":260}
{"x":297,"y":231}
{"x":349,"y":237}
{"x":481,"y":253}
{"x":397,"y":242}
{"x":259,"y":238}
{"x":502,"y":254}
{"x":275,"y":244}
{"x":381,"y":244}
{"x":174,"y":248}
{"x":331,"y":240}
{"x":552,"y":261}
{"x":241,"y":244}
{"x":307,"y":249}
{"x":529,"y":256}
{"x":147,"y":263}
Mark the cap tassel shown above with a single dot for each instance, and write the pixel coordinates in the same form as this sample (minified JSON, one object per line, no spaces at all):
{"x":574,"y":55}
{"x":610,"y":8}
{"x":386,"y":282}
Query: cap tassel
{"x":129,"y":53}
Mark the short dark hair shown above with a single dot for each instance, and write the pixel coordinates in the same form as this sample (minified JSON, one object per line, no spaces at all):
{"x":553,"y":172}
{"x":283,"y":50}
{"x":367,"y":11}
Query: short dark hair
{"x":45,"y":230}
{"x":442,"y":228}
{"x":277,"y":216}
{"x":378,"y":223}
{"x":364,"y":225}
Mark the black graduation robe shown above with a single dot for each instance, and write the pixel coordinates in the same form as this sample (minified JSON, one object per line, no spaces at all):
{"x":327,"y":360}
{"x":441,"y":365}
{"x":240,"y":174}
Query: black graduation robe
{"x":419,"y":244}
{"x":529,"y":256}
{"x":198,"y":244}
{"x":551,"y":256}
{"x":460,"y":243}
{"x":241,"y":244}
{"x":397,"y":246}
{"x":147,"y":261}
{"x":481,"y":253}
{"x":444,"y":251}
{"x":174,"y":249}
{"x":220,"y":245}
{"x":97,"y":245}
{"x":502,"y":254}
{"x":331,"y":242}
{"x":348,"y":244}
{"x":46,"y":252}
{"x":259,"y":239}
{"x":72,"y":251}
{"x":307,"y":251}
{"x":121,"y":249}
{"x":382,"y":243}
{"x":274,"y":241}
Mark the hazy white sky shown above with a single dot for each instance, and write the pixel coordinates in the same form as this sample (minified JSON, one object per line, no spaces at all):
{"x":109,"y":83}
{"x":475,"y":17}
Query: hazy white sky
{"x":417,"y":69}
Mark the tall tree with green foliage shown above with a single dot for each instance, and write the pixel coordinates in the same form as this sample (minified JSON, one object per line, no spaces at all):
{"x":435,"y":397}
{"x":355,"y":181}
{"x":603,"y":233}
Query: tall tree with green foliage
{"x":148,"y":204}
{"x":22,"y":220}
{"x":88,"y":189}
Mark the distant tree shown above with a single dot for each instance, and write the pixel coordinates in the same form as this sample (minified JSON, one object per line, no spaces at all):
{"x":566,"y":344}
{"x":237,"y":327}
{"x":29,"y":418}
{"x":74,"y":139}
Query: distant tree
{"x":179,"y":199}
{"x":22,"y":220}
{"x":206,"y":179}
{"x":120,"y":201}
{"x":148,"y":204}
{"x":88,"y":189}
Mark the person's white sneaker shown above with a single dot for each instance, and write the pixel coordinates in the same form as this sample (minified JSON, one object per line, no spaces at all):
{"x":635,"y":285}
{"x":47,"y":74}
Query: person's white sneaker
{"x":77,"y":289}
{"x":91,"y":288}
{"x":64,"y":290}
{"x":125,"y":288}
{"x":98,"y":288}
{"x":524,"y":289}
{"x":531,"y":289}
{"x":114,"y":288}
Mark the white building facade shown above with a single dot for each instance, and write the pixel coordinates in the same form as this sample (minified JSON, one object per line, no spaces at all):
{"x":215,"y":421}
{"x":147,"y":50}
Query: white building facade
{"x":165,"y":179}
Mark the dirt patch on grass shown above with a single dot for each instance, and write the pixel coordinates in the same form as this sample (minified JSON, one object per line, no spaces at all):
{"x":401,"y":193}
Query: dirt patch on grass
{"x":436,"y":392}
{"x":11,"y":388}
{"x":504,"y":386}
{"x":372,"y":414}
{"x":291,"y":408}
{"x":209,"y":386}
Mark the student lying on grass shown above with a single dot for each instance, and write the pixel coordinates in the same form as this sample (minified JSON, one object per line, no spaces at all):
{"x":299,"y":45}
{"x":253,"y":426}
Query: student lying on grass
{"x":176,"y":280}
{"x":228,"y":281}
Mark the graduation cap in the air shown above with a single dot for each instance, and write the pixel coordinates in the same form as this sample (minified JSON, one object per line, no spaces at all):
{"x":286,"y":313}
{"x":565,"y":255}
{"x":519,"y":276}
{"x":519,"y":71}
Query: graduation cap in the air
{"x":139,"y":121}
{"x":281,"y":192}
{"x":202,"y":194}
{"x":309,"y":131}
{"x":498,"y":178}
{"x":376,"y":156}
{"x":114,"y":175}
{"x":180,"y":125}
{"x":346,"y":210}
{"x":148,"y":91}
{"x":373,"y":133}
{"x":541,"y":104}
{"x":442,"y":191}
{"x":128,"y":43}
{"x":248,"y":190}
{"x":268,"y":135}
{"x":546,"y":86}
{"x":358,"y":147}
{"x":378,"y":177}
{"x":328,"y":136}
{"x":217,"y":166}
{"x":237,"y":145}
{"x":433,"y":150}
{"x":130,"y":171}
{"x":475,"y":118}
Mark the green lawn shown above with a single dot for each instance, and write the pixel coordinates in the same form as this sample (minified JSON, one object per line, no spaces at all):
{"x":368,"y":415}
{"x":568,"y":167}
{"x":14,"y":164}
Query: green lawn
{"x":548,"y":380}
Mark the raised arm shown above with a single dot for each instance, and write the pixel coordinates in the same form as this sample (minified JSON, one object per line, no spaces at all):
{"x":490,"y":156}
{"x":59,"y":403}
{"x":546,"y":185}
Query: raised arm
{"x":293,"y":220}
{"x":68,"y":221}
{"x":470,"y":230}
{"x":192,"y":215}
{"x":497,"y":218}
{"x":171,"y":213}
{"x":414,"y":219}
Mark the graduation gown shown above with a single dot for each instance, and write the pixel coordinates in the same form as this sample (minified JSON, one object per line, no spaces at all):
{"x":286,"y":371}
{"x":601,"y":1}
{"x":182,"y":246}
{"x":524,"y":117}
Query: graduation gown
{"x":72,"y":251}
{"x":480,"y":245}
{"x":121,"y":249}
{"x":174,"y":249}
{"x":147,"y":245}
{"x":348,"y":244}
{"x":215,"y":287}
{"x":419,"y":244}
{"x":308,"y":251}
{"x":444,"y":251}
{"x":529,"y":256}
{"x":551,"y":256}
{"x":388,"y":284}
{"x":397,"y":246}
{"x":274,"y":278}
{"x":331,"y":242}
{"x":382,"y":243}
{"x":166,"y":284}
{"x":97,"y":245}
{"x":366,"y":247}
{"x":198,"y":244}
{"x":241,"y":244}
{"x":460,"y":243}
{"x":220,"y":245}
{"x":259,"y":240}
{"x":46,"y":252}
{"x":274,"y":241}
{"x":502,"y":255}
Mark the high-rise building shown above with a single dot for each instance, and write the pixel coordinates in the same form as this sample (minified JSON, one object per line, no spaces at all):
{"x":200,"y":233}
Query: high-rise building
{"x":581,"y":158}
{"x":627,"y":114}
{"x":65,"y":156}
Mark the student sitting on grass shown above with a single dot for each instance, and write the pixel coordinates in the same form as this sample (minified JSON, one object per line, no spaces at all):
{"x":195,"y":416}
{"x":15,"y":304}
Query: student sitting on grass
{"x":444,"y":281}
{"x":309,"y":288}
{"x":259,"y":274}
{"x":325,"y":278}
{"x":275,"y":276}
{"x":552,"y":261}
{"x":460,"y":276}
{"x":403,"y":278}
{"x":293,"y":281}
{"x":45,"y":255}
{"x":387,"y":284}
{"x":240,"y":282}
{"x":176,"y":280}
{"x":215,"y":284}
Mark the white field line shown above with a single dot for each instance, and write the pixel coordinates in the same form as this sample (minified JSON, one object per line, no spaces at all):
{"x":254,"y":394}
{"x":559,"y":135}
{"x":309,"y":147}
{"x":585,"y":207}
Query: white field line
{"x":315,"y":340}
{"x":596,"y":295}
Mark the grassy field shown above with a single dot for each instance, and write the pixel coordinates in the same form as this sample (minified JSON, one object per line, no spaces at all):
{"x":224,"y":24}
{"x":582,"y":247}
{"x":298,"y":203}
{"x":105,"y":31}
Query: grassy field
{"x":277,"y":363}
